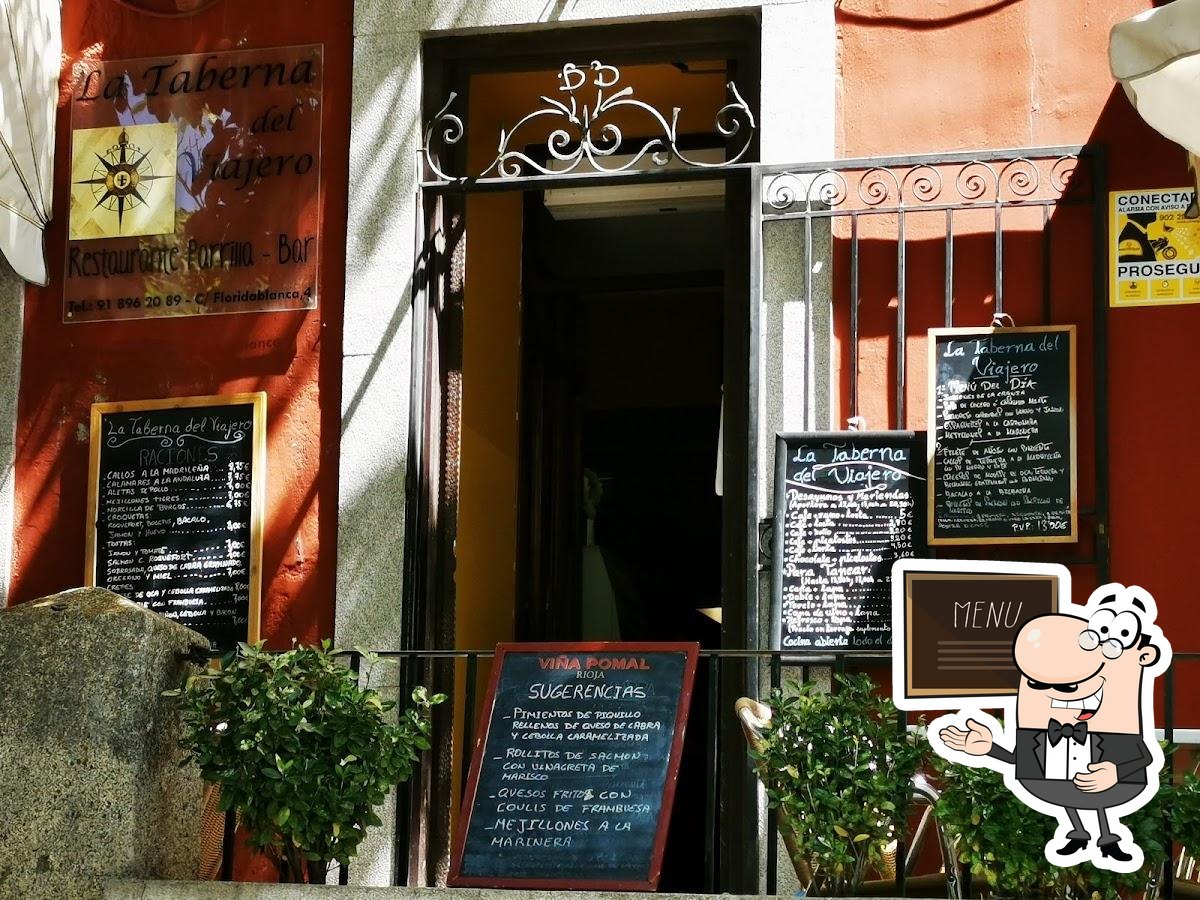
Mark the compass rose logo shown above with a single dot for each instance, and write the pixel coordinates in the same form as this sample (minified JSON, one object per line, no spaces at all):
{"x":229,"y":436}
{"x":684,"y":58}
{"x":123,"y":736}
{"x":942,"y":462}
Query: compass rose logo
{"x":116,"y":174}
{"x":119,"y":174}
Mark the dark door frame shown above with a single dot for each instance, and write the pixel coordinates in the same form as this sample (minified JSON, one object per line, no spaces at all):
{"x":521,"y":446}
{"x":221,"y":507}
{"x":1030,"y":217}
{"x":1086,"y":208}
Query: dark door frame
{"x":435,"y":402}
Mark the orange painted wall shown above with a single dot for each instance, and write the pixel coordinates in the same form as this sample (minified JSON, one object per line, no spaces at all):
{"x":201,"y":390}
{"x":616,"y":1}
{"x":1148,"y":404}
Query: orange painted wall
{"x":294,"y":357}
{"x":942,"y":75}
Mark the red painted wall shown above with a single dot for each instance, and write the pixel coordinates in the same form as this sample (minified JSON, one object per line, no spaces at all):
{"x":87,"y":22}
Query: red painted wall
{"x":931,"y":76}
{"x":295,"y":357}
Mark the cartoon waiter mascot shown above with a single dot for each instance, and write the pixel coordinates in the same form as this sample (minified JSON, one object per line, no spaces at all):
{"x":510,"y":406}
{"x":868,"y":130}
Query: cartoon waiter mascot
{"x":1083,"y":746}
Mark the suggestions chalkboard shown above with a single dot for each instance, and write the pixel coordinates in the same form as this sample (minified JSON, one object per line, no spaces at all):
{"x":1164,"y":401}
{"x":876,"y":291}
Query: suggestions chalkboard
{"x":959,"y":626}
{"x":847,"y":505}
{"x":574,"y":770}
{"x":1002,"y":447}
{"x":175,"y":509}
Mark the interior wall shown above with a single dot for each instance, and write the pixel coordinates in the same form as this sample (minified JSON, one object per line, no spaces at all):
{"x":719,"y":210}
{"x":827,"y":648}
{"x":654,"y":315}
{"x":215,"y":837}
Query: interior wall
{"x":658,"y":368}
{"x":294,"y":357}
{"x":906,"y":86}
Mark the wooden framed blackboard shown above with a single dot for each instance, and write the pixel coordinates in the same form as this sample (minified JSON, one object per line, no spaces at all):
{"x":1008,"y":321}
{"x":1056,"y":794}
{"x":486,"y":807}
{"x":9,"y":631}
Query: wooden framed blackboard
{"x":958,"y":619}
{"x":848,"y":504}
{"x":175,"y":509}
{"x":1002,"y":435}
{"x":574,"y":768}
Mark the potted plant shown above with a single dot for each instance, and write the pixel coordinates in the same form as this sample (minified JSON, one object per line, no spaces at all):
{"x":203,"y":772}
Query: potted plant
{"x":299,"y":750}
{"x":839,"y":769}
{"x":1002,"y":841}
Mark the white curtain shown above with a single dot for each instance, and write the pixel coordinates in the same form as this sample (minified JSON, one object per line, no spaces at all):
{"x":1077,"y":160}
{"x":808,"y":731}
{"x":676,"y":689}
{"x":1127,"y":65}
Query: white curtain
{"x":1156,"y":57}
{"x":30,"y":58}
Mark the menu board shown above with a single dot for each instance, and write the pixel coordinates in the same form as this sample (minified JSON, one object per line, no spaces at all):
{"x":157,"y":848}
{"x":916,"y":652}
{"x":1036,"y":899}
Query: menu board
{"x":1002,"y":447}
{"x":175,"y":509}
{"x":574,"y":770}
{"x":847,"y":505}
{"x":958,"y":627}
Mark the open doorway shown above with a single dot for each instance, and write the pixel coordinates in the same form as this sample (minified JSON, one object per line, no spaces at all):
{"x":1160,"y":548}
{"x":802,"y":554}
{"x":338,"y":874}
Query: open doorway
{"x":621,"y":520}
{"x":621,"y":406}
{"x":657,"y":245}
{"x":533,"y":317}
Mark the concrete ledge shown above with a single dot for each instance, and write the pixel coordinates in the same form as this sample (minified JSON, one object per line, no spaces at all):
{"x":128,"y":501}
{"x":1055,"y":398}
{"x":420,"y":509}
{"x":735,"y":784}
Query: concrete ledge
{"x":211,"y":890}
{"x":195,"y":890}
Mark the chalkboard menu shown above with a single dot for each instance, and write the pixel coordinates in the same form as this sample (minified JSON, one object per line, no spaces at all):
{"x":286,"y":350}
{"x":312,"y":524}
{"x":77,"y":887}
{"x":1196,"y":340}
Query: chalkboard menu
{"x":1002,"y":447}
{"x":175,"y":509}
{"x":848,"y":504}
{"x":574,"y":769}
{"x":958,"y":626}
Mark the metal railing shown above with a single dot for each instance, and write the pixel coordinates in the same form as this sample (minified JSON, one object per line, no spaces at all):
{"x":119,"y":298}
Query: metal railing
{"x":910,"y":243}
{"x":442,"y":667}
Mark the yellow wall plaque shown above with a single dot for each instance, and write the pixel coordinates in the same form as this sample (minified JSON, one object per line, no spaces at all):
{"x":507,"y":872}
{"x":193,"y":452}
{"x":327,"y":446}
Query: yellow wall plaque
{"x":123,"y":181}
{"x":1154,"y":251}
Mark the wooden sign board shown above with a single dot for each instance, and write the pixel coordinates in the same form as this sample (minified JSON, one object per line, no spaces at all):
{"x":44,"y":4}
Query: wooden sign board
{"x":956,"y":622}
{"x":848,"y":504}
{"x":1002,"y":442}
{"x":175,"y":509}
{"x":574,"y":769}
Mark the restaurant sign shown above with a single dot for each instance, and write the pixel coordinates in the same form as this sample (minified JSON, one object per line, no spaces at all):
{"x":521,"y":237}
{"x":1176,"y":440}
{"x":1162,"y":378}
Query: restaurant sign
{"x":195,"y":185}
{"x":1155,"y":248}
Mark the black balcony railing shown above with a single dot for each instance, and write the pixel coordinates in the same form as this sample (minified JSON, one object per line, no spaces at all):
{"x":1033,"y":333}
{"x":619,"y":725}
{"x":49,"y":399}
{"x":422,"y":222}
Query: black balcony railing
{"x":443,"y":668}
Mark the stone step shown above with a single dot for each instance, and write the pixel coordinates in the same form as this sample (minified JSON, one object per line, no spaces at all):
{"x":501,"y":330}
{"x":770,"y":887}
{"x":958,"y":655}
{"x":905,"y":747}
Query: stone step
{"x":211,"y":890}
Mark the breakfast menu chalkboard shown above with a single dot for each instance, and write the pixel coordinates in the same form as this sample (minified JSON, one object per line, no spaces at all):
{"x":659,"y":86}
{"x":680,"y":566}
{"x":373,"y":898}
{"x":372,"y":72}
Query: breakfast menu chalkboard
{"x":958,"y":619}
{"x":1002,"y":435}
{"x":574,"y":770}
{"x":175,"y":509}
{"x":848,"y":504}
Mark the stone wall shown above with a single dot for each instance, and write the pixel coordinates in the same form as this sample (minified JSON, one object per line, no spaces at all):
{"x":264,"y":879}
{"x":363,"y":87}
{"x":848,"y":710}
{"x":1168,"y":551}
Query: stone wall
{"x":90,"y":786}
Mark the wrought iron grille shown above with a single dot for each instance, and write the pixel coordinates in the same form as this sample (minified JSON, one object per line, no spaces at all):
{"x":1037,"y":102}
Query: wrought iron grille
{"x":585,"y":134}
{"x":919,"y":242}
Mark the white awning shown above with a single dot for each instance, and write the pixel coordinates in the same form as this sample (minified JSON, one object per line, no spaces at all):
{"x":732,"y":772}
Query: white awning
{"x":30,"y":58}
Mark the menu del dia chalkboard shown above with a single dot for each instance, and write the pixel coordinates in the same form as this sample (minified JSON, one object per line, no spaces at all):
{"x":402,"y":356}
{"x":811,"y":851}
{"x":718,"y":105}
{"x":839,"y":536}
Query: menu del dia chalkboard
{"x":574,"y":769}
{"x":175,"y":505}
{"x":956,"y":622}
{"x":1002,"y":435}
{"x":848,"y":504}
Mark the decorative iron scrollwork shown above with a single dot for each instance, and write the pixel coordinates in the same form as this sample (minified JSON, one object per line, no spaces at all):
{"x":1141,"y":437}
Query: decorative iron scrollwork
{"x":931,"y":182}
{"x":587,"y":136}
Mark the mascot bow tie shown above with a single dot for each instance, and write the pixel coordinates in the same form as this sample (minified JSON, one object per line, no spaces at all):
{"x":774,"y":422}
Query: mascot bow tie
{"x":1056,"y":731}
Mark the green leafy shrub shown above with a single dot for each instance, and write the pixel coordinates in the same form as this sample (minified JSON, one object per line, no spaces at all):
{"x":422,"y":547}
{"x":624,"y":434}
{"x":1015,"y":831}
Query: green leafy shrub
{"x":840,"y":769}
{"x":999,"y":838}
{"x":1002,"y":841}
{"x":299,"y":749}
{"x":1185,"y":813}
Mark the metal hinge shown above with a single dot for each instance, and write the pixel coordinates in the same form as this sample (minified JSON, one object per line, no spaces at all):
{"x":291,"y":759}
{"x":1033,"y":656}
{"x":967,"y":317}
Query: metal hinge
{"x":766,"y":539}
